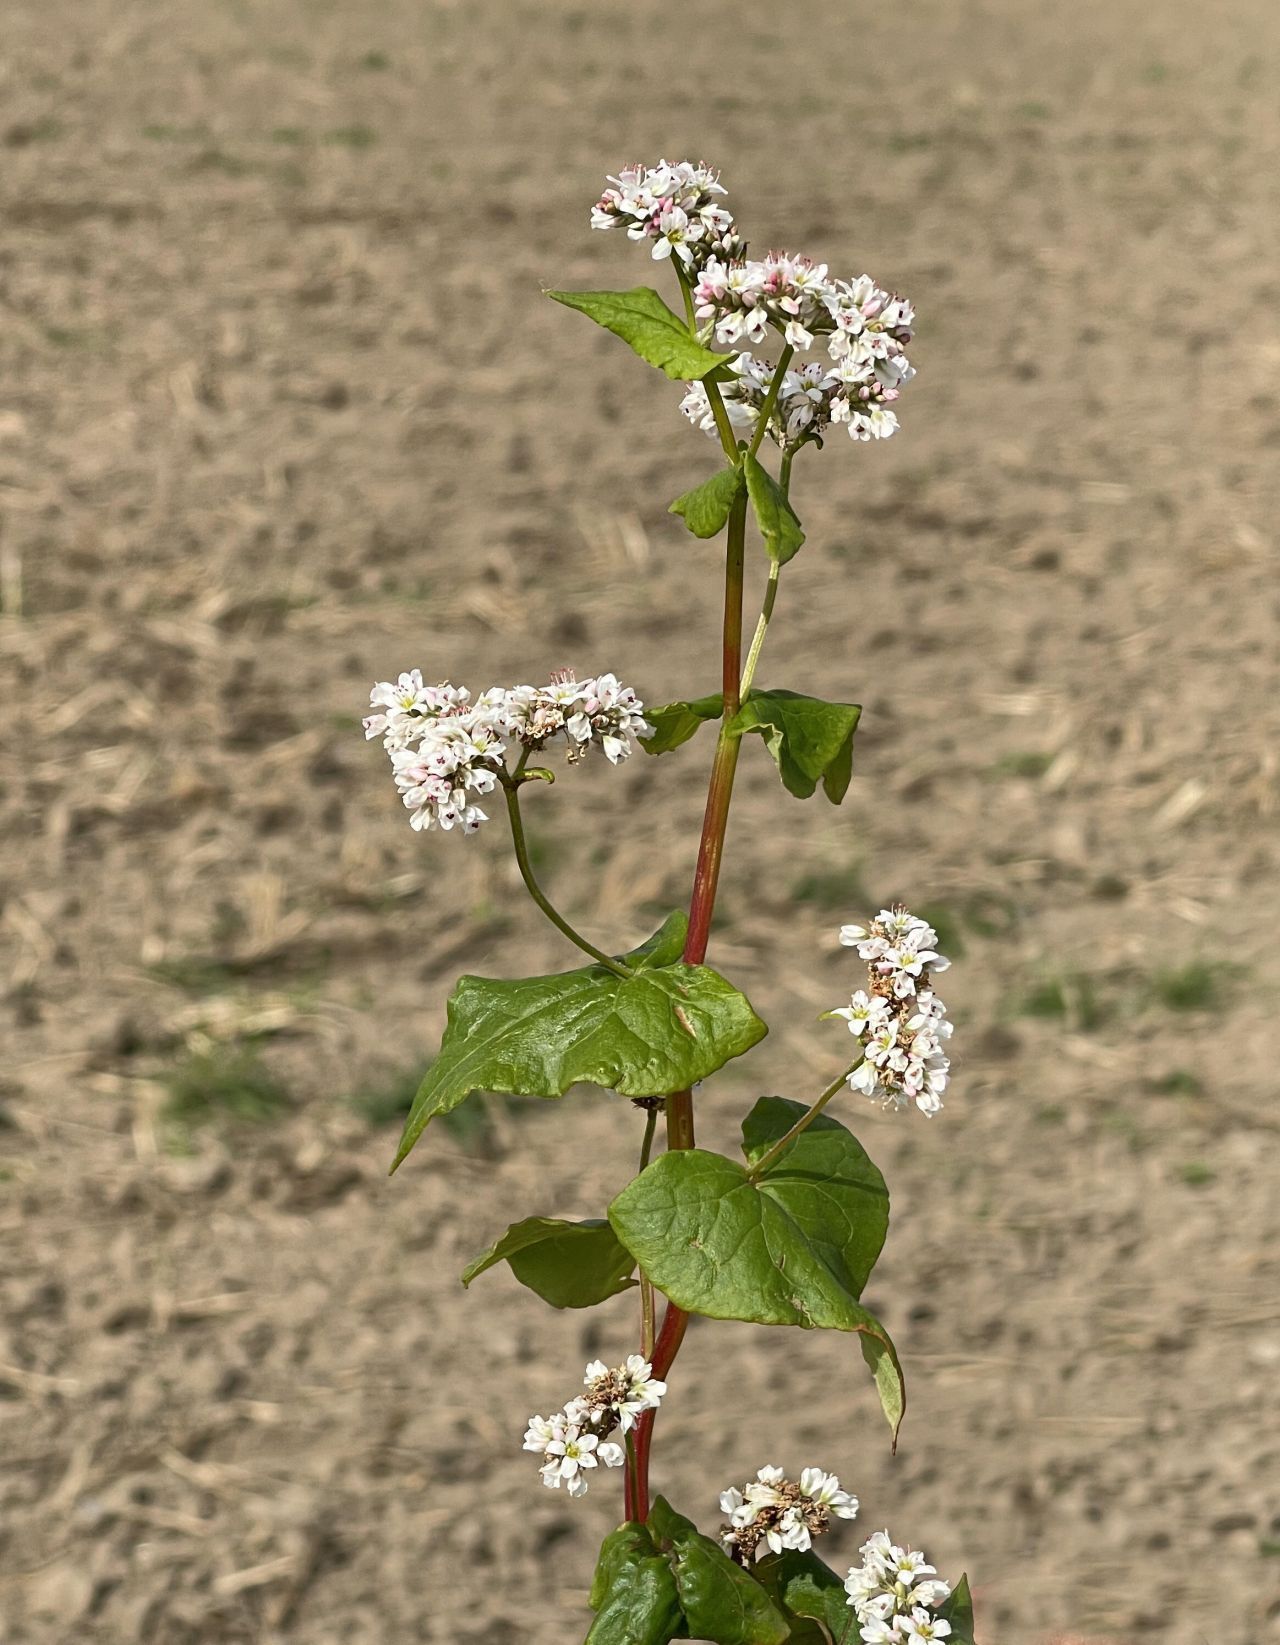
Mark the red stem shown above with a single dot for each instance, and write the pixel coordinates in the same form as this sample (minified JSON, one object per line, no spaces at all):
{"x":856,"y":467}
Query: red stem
{"x":706,"y":876}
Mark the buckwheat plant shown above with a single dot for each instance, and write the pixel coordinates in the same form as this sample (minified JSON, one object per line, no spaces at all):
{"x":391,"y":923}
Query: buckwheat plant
{"x":788,"y":1235}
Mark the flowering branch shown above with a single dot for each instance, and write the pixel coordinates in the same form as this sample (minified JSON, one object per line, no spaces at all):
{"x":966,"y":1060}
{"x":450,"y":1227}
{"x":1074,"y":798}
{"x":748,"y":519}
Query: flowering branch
{"x":511,"y":789}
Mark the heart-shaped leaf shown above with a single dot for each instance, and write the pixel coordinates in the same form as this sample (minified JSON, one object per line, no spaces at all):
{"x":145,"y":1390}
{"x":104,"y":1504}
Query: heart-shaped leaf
{"x":811,"y":741}
{"x":568,"y":1264}
{"x":791,"y":1246}
{"x":648,"y":326}
{"x":706,"y":509}
{"x":659,"y":1029}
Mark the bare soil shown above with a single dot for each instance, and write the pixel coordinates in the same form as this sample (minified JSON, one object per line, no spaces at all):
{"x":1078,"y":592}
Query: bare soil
{"x":282,"y":411}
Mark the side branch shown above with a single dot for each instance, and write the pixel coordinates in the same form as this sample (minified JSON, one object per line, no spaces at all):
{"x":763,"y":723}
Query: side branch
{"x":802,"y":1124}
{"x":511,"y":789}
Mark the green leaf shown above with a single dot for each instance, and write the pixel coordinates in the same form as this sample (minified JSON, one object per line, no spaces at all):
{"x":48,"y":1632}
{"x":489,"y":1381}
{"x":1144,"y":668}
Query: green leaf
{"x":779,"y":527}
{"x":664,"y":947}
{"x":794,"y":1247}
{"x":720,"y":1601}
{"x":811,"y":1596}
{"x":648,"y":326}
{"x":664,"y":1580}
{"x":660,"y":1029}
{"x":811,"y":741}
{"x":633,"y":1592}
{"x":706,"y":509}
{"x":569,"y":1264}
{"x":958,"y":1611}
{"x":675,"y":723}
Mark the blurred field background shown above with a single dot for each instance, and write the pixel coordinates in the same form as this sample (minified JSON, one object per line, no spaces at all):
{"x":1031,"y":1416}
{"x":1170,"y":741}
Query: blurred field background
{"x":281,"y":412}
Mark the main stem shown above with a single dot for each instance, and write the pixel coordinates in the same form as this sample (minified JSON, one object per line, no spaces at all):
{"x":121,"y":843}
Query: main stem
{"x":706,"y":877}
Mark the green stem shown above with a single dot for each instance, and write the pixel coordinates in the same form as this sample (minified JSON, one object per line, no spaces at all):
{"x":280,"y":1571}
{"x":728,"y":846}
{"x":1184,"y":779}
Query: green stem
{"x":762,"y":628}
{"x":802,"y":1124}
{"x":770,"y":399}
{"x":511,"y":788}
{"x":724,"y":428}
{"x":770,"y":593}
{"x":686,"y":291}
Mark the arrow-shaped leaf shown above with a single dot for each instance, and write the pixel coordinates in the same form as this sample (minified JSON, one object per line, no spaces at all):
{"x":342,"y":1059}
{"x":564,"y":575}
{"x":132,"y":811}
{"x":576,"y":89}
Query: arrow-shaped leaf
{"x":648,"y":326}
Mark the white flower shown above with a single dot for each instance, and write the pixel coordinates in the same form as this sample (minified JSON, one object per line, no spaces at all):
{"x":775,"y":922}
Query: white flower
{"x":899,"y":1019}
{"x":920,"y":1625}
{"x":620,"y":1395}
{"x":825,"y":1488}
{"x":873,"y":424}
{"x":674,"y":205}
{"x":570,"y":1452}
{"x":772,"y":1513}
{"x":796,"y":336}
{"x":893,"y":1592}
{"x":405,"y":704}
{"x":539,"y":1434}
{"x":882,"y":1043}
{"x":744,"y":299}
{"x":864,"y":1013}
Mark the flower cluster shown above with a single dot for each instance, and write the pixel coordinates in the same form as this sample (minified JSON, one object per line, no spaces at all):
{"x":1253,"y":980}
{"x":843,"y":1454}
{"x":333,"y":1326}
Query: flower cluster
{"x":676,"y":207}
{"x":900,"y":1021}
{"x":738,"y":300}
{"x":895,"y":1594}
{"x":447,"y":750}
{"x":576,"y":1440}
{"x":866,"y":328}
{"x":772,"y":1512}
